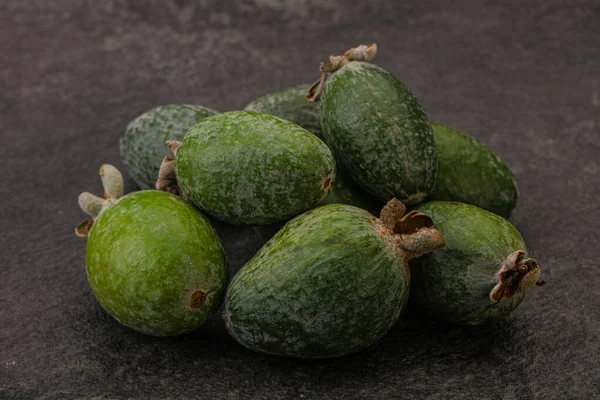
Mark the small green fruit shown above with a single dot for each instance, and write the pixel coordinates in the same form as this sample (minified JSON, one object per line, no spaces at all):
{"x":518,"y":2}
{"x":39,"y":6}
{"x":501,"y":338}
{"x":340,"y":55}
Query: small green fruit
{"x":470,"y":172}
{"x":330,"y":282}
{"x":246,"y":167}
{"x":143,"y":144}
{"x":290,"y":104}
{"x":482,"y":273}
{"x":376,"y":127}
{"x":153,"y":261}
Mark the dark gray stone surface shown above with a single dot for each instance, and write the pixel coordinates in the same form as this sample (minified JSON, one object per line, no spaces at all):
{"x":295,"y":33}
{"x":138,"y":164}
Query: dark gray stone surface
{"x":522,"y":76}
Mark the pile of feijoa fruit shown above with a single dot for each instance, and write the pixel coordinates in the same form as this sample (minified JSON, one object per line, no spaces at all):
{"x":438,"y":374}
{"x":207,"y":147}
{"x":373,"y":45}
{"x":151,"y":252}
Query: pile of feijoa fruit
{"x":325,"y":174}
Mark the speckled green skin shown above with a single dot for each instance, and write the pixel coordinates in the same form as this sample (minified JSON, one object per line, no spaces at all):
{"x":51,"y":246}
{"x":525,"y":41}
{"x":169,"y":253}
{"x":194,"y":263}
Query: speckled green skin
{"x":327,"y":284}
{"x":470,"y":172}
{"x":453,"y":284}
{"x":143,"y":144}
{"x":343,"y":191}
{"x":246,"y":167}
{"x":147,"y":254}
{"x":379,"y":133}
{"x":290,"y":104}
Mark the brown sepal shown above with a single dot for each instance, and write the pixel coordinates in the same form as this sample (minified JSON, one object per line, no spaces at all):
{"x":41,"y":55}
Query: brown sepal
{"x":517,"y":275}
{"x":359,"y":53}
{"x":83,"y":229}
{"x":414,"y":232}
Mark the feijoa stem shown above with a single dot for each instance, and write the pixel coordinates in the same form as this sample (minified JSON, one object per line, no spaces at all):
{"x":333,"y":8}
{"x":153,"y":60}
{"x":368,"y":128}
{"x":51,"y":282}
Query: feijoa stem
{"x":517,"y":275}
{"x":359,"y":53}
{"x":167,"y":175}
{"x":92,"y":205}
{"x":414,"y":232}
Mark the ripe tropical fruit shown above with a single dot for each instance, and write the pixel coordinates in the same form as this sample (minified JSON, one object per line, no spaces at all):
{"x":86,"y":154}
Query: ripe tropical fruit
{"x":330,"y":282}
{"x":290,"y":103}
{"x":470,"y":172}
{"x":143,"y":144}
{"x":481,"y":275}
{"x":377,"y":129}
{"x":247,"y":167}
{"x":153,"y":261}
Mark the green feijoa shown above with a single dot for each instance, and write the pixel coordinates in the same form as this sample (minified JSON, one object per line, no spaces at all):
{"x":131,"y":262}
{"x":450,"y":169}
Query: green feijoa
{"x":343,"y":191}
{"x":377,"y":129}
{"x":470,"y":172}
{"x":153,"y":260}
{"x":331,"y":282}
{"x":246,"y":167}
{"x":290,"y":104}
{"x":143,"y":144}
{"x":481,"y":275}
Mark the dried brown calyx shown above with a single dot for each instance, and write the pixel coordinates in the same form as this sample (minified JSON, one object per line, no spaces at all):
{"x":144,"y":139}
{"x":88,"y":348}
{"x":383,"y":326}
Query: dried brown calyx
{"x":360,"y":53}
{"x":167,"y":176}
{"x":92,"y":205}
{"x":517,"y":275}
{"x":413,"y":232}
{"x":197,"y":299}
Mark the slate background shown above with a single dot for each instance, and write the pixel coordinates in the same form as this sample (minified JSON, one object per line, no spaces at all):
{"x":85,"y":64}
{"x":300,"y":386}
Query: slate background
{"x":523,"y":76}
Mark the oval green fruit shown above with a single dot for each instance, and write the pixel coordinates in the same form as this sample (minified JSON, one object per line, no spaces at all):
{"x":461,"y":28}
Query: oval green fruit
{"x":379,"y":132}
{"x":290,"y":104}
{"x":246,"y":167}
{"x":470,"y":172}
{"x":143,"y":144}
{"x":153,"y":261}
{"x":482,"y":273}
{"x":330,"y":282}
